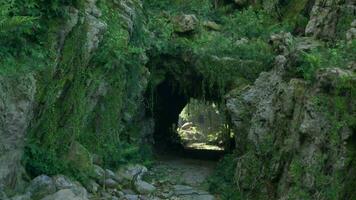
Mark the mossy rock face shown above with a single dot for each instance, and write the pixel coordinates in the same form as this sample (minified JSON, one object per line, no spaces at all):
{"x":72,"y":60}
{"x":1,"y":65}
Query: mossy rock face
{"x":98,"y":74}
{"x":80,"y":158}
{"x":296,"y":134}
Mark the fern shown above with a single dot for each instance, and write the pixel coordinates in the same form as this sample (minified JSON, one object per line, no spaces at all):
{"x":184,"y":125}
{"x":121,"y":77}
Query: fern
{"x":8,"y":23}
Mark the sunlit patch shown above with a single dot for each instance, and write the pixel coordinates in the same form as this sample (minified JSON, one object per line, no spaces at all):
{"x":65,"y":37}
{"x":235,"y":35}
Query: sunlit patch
{"x":202,"y":126}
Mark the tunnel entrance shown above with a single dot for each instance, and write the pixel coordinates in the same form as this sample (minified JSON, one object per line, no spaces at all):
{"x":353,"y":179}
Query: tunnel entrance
{"x":170,"y":102}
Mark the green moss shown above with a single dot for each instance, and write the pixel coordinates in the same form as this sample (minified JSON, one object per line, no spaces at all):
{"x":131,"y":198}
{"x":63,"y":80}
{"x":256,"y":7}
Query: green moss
{"x":82,"y":102}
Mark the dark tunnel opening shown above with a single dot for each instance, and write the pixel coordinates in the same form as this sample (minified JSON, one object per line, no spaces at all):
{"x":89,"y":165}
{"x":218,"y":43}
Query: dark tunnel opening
{"x":168,"y":102}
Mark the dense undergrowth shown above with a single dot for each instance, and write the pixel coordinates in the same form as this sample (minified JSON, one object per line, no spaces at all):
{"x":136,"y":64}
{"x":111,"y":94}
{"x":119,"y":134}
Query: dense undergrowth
{"x":96,"y":89}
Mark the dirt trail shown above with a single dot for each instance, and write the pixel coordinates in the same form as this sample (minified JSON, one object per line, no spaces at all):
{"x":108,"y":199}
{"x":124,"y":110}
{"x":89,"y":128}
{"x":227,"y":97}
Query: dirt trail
{"x":179,"y":178}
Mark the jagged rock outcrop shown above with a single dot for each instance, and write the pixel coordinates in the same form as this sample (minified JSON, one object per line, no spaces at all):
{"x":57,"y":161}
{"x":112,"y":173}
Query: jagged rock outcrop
{"x":326,"y":15}
{"x":17,"y":97}
{"x":185,"y":23}
{"x":291,"y":140}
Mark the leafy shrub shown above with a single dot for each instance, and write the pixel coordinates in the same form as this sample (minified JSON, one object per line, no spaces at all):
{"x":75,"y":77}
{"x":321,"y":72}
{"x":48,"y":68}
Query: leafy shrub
{"x":323,"y":57}
{"x":252,"y":23}
{"x":222,"y":181}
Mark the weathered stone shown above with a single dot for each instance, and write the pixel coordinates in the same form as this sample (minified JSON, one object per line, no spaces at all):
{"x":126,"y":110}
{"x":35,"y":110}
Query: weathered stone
{"x":132,"y":171}
{"x":69,"y":24}
{"x":131,"y":197}
{"x":99,"y":173}
{"x":143,"y":187}
{"x":92,"y":186}
{"x":62,"y":182}
{"x":79,"y":190}
{"x":16,"y":105}
{"x":185,"y":23}
{"x":65,"y":194}
{"x":278,"y":117}
{"x":109,"y":183}
{"x":281,"y":42}
{"x":41,"y":186}
{"x":109,"y":173}
{"x":323,"y":19}
{"x":185,"y":192}
{"x":96,"y":28}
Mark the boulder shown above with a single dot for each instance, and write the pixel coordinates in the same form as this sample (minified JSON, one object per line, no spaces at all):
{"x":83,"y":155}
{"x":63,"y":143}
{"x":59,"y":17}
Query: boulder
{"x":41,"y":186}
{"x":109,"y":183}
{"x":62,"y":182}
{"x":79,"y":190}
{"x":92,"y":186}
{"x":143,"y":187}
{"x":131,"y":197}
{"x":185,"y":23}
{"x":98,"y":173}
{"x":185,"y":192}
{"x":110,"y":174}
{"x":131,"y":171}
{"x":65,"y":194}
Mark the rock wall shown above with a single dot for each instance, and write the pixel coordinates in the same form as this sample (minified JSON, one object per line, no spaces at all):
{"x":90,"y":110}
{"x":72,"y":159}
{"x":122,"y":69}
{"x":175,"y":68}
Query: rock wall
{"x":327,"y":16}
{"x":292,"y":138}
{"x":16,"y":107}
{"x":87,"y":101}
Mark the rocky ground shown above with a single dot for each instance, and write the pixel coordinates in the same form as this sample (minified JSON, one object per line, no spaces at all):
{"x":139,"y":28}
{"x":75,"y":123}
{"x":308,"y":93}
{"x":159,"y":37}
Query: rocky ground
{"x":171,"y":177}
{"x":181,"y":178}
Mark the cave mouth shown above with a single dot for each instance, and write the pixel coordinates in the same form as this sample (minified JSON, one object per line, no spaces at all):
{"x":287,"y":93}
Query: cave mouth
{"x":172,"y":111}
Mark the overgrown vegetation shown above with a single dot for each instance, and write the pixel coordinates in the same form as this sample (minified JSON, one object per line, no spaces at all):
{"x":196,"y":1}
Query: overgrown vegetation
{"x":101,"y":93}
{"x":238,"y":51}
{"x":340,"y":55}
{"x":95,"y":99}
{"x":222,"y":182}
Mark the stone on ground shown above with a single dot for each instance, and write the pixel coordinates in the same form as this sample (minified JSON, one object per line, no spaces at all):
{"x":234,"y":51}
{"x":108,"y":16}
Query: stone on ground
{"x":143,"y":187}
{"x":65,"y":194}
{"x":132,"y":171}
{"x":62,"y":182}
{"x":41,"y":186}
